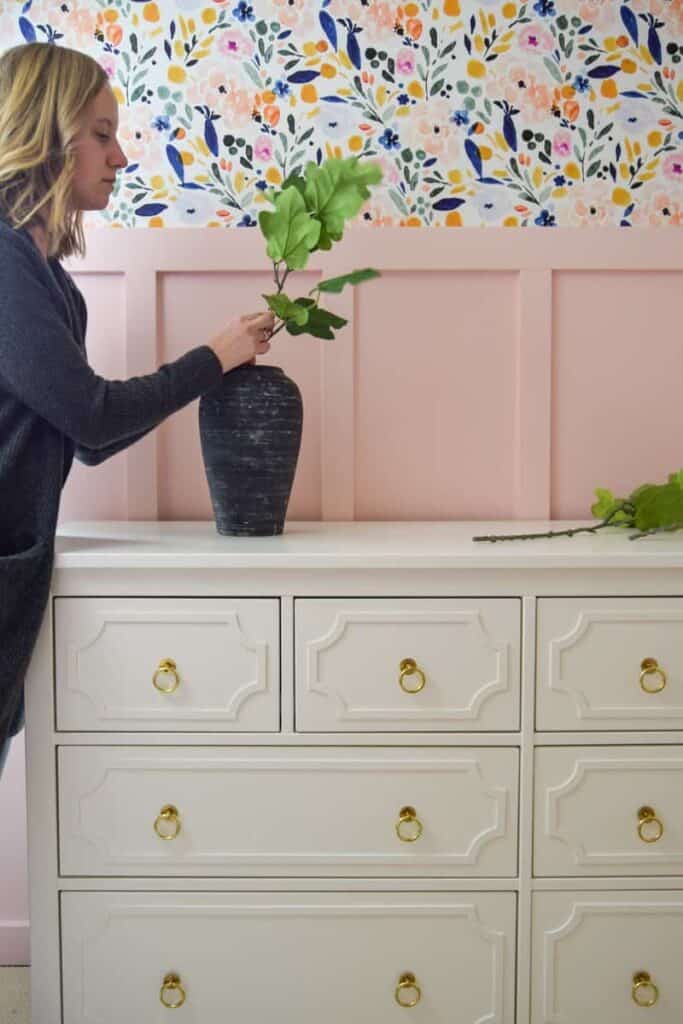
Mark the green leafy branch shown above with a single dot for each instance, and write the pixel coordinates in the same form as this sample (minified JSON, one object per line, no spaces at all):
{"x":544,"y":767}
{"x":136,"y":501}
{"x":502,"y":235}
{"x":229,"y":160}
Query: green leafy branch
{"x":311,"y":211}
{"x":651,"y":508}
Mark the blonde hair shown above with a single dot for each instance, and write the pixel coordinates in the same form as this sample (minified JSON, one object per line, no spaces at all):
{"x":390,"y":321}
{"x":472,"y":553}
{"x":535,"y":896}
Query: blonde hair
{"x":44,"y":89}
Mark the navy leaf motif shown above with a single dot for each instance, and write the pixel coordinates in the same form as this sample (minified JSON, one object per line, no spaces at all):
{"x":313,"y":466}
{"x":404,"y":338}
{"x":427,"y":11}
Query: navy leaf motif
{"x":210,"y":137}
{"x":175,"y":161}
{"x":27,"y":30}
{"x":630,"y":22}
{"x":654,"y":45}
{"x":353,"y":50}
{"x":474,"y":155}
{"x":448,"y":204}
{"x":150,"y":209}
{"x":329,"y":28}
{"x":510,"y":132}
{"x":604,"y":71}
{"x":301,"y":77}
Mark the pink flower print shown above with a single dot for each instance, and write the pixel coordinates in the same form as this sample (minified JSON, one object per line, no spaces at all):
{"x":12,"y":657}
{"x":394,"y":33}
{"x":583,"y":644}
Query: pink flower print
{"x":233,"y":44}
{"x":383,"y":16}
{"x":405,"y":62}
{"x":672,"y":167}
{"x":669,"y":209}
{"x":535,"y":39}
{"x":562,"y":144}
{"x":263,"y":149}
{"x":295,"y":14}
{"x":598,"y":13}
{"x":109,"y":65}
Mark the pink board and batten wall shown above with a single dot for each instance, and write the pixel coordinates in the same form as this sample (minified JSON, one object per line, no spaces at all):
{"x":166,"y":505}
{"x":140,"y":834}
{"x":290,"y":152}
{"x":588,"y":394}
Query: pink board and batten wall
{"x":486,"y":374}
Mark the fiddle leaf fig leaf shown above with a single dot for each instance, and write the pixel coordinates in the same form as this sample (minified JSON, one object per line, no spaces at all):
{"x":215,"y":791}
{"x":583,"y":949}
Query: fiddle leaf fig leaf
{"x":320,"y":321}
{"x":607,"y":504}
{"x":335,"y":192}
{"x":285,"y":309}
{"x":292,"y":234}
{"x":337,"y":284}
{"x":659,"y":505}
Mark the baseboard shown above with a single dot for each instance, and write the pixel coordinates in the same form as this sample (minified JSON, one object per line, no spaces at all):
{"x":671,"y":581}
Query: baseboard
{"x":14,"y":943}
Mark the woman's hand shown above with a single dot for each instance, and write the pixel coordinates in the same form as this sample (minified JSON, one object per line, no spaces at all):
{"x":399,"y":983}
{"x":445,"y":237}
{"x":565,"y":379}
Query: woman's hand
{"x":243,"y":339}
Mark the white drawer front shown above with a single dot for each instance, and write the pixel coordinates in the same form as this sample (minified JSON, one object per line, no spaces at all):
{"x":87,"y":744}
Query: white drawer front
{"x":612,"y":810}
{"x":590,"y":947}
{"x":590,"y":655}
{"x":348,"y":664}
{"x":263,"y":811}
{"x":300,"y":957}
{"x":226,"y":653}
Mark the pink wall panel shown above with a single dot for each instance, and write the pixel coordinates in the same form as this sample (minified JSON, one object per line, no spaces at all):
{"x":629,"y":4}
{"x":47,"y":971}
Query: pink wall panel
{"x":100,"y":492}
{"x":435,"y":395}
{"x":193,"y":307}
{"x":617,"y":367}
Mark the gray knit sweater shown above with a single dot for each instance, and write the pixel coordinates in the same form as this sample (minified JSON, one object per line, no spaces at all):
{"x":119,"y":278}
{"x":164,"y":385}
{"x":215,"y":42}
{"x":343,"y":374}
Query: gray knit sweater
{"x":54,"y":406}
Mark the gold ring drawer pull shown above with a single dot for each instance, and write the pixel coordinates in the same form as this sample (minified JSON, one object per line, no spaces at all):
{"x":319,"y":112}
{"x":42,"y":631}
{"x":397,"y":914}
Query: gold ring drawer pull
{"x":167,"y":666}
{"x":644,"y":991}
{"x":646,"y":818}
{"x":650,"y":667}
{"x":405,"y":983}
{"x":169,"y":813}
{"x":172,"y":984}
{"x":409,"y":667}
{"x":407,"y":816}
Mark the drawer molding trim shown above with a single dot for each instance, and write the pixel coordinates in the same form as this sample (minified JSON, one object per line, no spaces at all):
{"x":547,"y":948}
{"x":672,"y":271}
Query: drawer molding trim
{"x":499,"y":684}
{"x":586,"y":619}
{"x":117,"y":712}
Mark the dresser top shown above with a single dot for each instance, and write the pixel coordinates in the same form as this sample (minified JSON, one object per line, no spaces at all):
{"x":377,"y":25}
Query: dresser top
{"x":360,"y":545}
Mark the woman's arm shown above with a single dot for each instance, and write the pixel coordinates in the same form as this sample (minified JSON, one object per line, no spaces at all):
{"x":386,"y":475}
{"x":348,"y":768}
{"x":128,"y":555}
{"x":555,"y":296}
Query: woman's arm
{"x":42,"y":364}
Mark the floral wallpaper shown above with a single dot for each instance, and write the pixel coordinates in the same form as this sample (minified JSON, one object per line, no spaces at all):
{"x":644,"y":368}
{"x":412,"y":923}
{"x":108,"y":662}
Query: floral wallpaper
{"x":488,"y":113}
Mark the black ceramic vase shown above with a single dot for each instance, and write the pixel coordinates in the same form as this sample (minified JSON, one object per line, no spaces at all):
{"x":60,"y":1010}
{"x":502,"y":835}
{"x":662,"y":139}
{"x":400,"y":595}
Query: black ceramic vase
{"x":250,"y":429}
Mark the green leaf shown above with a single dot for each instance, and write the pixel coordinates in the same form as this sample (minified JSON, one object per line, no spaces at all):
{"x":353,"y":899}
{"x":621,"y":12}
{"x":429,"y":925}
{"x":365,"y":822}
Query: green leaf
{"x":607,"y":504}
{"x":252,"y":73}
{"x":659,"y":505}
{"x":295,"y":180}
{"x":291,"y":232}
{"x":676,"y":478}
{"x":336,"y":191}
{"x":285,"y":309}
{"x":337,"y":284}
{"x":320,"y":321}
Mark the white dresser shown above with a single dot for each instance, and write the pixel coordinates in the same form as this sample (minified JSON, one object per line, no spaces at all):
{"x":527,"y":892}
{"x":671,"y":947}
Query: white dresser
{"x":361,"y":773}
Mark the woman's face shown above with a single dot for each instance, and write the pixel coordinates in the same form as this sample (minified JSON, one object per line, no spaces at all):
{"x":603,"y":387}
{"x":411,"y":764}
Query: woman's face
{"x":98,"y":153}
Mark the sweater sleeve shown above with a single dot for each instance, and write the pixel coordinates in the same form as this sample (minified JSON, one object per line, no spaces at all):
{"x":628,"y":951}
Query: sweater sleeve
{"x":43,"y":366}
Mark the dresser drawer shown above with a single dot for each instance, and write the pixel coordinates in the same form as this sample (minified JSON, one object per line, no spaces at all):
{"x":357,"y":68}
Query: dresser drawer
{"x":615,"y":810}
{"x":407,"y":664}
{"x":591,"y":949}
{"x":223,"y":675}
{"x":291,"y":957}
{"x":265,"y":811}
{"x":610,"y":663}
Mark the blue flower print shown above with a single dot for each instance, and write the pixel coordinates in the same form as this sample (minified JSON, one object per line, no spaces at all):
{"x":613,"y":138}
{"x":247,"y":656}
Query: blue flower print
{"x":281,"y":88}
{"x":545,"y":220}
{"x":546,"y":8}
{"x":244,"y":11}
{"x":389,"y":140}
{"x":162,"y":123}
{"x":581,"y":83}
{"x":460,"y":117}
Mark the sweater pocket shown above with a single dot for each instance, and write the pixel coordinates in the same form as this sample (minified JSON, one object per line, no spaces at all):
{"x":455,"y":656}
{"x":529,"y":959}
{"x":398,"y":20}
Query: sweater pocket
{"x":25,"y":573}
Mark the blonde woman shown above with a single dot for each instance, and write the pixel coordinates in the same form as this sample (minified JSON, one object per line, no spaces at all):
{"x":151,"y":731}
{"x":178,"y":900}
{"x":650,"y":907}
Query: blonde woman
{"x":59,"y":156}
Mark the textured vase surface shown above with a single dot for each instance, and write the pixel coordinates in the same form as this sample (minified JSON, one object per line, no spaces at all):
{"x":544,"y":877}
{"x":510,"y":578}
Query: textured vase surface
{"x":250,"y":429}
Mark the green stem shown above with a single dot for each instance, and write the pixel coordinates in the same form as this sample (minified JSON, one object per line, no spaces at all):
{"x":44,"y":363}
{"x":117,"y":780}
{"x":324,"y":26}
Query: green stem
{"x":554,"y":533}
